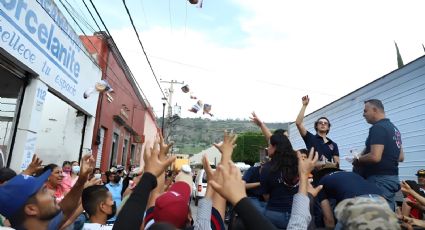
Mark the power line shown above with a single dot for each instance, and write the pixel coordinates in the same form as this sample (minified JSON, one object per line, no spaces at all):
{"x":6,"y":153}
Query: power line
{"x":88,"y":55}
{"x":91,"y":15}
{"x":81,"y":16}
{"x":143,"y":49}
{"x":185,"y":20}
{"x":169,"y":14}
{"x":125,"y":89}
{"x":118,"y":51}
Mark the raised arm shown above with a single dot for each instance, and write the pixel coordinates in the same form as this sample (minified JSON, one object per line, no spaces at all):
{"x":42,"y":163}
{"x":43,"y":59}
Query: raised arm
{"x":70,"y":202}
{"x":131,"y":215}
{"x":232,"y":187}
{"x":226,"y":150}
{"x":300,"y":117}
{"x":163,"y":151}
{"x":300,"y":214}
{"x":256,"y":120}
{"x":405,"y":188}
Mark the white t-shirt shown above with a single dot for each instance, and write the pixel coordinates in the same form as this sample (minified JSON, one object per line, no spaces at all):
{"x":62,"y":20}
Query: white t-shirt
{"x":95,"y":226}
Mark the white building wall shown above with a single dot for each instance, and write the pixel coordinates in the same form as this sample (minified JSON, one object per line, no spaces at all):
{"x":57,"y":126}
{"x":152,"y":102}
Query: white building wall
{"x":59,"y":138}
{"x":403,"y":95}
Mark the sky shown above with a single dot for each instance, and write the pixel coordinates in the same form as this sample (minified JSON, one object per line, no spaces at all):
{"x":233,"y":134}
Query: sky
{"x":248,"y":55}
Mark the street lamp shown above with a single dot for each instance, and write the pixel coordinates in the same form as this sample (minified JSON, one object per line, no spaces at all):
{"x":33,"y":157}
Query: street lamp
{"x":163,"y":112}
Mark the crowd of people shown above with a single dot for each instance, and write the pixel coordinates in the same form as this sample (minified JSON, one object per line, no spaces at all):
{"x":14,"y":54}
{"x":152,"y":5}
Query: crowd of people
{"x":293,"y":189}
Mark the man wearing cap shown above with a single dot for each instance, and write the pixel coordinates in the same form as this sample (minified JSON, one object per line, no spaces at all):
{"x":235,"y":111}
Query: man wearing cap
{"x":421,"y":180}
{"x":115,"y":187}
{"x":419,"y":187}
{"x":28,"y":204}
{"x":378,"y":162}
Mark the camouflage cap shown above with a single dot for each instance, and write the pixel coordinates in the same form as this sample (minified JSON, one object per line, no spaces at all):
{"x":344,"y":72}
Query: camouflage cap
{"x":371,"y":212}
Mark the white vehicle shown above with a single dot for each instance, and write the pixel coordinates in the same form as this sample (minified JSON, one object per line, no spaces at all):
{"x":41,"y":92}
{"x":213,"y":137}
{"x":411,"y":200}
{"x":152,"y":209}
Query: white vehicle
{"x":2,"y":161}
{"x":200,"y":185}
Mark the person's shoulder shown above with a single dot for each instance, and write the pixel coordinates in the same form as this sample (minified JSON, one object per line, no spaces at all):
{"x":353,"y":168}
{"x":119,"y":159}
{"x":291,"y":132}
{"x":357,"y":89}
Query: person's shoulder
{"x":96,"y":226}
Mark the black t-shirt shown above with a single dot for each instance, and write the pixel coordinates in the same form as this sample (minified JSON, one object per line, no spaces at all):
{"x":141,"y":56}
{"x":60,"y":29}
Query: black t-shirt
{"x":342,"y":185}
{"x":328,"y":149}
{"x":384,"y":133}
{"x":252,"y":175}
{"x":281,"y":194}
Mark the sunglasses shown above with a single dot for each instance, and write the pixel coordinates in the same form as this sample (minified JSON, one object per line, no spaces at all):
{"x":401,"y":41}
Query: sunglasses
{"x":323,"y":122}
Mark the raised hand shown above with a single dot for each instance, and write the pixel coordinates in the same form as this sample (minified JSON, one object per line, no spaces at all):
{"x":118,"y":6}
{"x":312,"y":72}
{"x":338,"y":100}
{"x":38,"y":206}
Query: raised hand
{"x":210,"y":173}
{"x":305,"y":100}
{"x":255,"y":119}
{"x":86,"y":166}
{"x":93,"y":181}
{"x":312,"y":190}
{"x":226,"y":147}
{"x":34,"y":166}
{"x":163,"y":148}
{"x":230,"y":186}
{"x":308,"y":164}
{"x":153,"y":164}
{"x":405,"y":188}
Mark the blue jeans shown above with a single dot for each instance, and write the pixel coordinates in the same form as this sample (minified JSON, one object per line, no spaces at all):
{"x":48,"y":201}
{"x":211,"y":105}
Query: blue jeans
{"x":279,"y":219}
{"x":259,"y":205}
{"x":389,"y":185}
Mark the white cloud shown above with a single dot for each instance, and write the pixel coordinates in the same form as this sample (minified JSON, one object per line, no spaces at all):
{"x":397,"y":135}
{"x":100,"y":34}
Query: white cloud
{"x":322,"y":48}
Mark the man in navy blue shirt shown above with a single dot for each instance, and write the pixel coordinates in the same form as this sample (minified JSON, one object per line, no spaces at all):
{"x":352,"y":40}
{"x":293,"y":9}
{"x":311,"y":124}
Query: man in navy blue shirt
{"x":253,"y":187}
{"x":339,"y":185}
{"x":322,"y":144}
{"x":378,"y":162}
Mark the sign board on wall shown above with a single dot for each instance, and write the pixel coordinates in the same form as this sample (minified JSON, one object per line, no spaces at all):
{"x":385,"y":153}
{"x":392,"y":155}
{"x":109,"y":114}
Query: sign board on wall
{"x":36,"y":33}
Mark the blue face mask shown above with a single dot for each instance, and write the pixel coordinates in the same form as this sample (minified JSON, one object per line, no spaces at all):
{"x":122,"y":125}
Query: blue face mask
{"x":76,"y":169}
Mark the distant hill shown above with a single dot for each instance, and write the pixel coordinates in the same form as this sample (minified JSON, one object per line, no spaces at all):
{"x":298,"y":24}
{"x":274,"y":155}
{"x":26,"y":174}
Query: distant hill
{"x":192,"y":135}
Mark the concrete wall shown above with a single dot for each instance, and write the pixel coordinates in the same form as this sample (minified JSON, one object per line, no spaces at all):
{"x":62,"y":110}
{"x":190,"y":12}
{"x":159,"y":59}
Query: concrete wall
{"x":60,"y":133}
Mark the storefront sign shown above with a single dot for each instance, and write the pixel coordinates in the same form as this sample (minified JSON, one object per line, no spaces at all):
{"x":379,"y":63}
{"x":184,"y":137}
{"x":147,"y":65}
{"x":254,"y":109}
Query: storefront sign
{"x":37,"y":34}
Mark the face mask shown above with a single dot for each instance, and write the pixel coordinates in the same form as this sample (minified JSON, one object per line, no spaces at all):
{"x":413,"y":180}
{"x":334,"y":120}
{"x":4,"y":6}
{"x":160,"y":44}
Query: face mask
{"x":76,"y":169}
{"x":114,"y":211}
{"x":117,"y":178}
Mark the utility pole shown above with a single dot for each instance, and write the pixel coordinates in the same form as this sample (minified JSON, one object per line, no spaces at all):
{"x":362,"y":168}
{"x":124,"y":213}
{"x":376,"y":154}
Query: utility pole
{"x":170,"y":95}
{"x":169,"y":99}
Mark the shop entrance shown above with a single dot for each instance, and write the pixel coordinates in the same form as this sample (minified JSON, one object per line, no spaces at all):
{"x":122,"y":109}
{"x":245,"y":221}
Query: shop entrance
{"x":11,"y":91}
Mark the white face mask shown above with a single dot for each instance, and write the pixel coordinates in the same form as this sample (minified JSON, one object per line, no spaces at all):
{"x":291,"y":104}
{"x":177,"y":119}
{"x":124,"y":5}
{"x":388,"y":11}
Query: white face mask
{"x":97,"y":175}
{"x":76,"y":169}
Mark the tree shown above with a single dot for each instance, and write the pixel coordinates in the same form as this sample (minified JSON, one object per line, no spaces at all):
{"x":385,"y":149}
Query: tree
{"x":248,"y":147}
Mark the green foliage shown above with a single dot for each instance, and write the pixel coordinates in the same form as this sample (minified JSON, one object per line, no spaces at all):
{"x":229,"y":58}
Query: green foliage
{"x":249,"y":145}
{"x":192,"y":135}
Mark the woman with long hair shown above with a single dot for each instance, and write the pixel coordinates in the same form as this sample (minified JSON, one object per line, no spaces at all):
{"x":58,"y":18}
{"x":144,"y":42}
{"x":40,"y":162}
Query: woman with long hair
{"x":279,"y":180}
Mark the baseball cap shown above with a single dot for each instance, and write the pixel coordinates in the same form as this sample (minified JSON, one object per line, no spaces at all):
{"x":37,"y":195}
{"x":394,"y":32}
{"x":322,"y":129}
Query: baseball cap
{"x":173,"y":206}
{"x":421,"y":172}
{"x":366,"y":212}
{"x":15,"y":193}
{"x":186,"y":169}
{"x":112,"y":170}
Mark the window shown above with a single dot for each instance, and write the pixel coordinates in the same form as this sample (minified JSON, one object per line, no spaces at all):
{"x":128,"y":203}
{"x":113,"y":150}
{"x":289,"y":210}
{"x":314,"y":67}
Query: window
{"x":124,"y":153}
{"x":132,"y":154}
{"x":114,"y":149}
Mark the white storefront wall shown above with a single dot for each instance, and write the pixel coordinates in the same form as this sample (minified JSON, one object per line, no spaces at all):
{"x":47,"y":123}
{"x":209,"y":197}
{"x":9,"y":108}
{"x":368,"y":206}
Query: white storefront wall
{"x":39,"y":37}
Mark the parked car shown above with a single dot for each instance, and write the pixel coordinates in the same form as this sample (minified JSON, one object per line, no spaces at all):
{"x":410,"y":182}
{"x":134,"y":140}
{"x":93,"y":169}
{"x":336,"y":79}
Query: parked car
{"x":201,"y":185}
{"x":2,"y":160}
